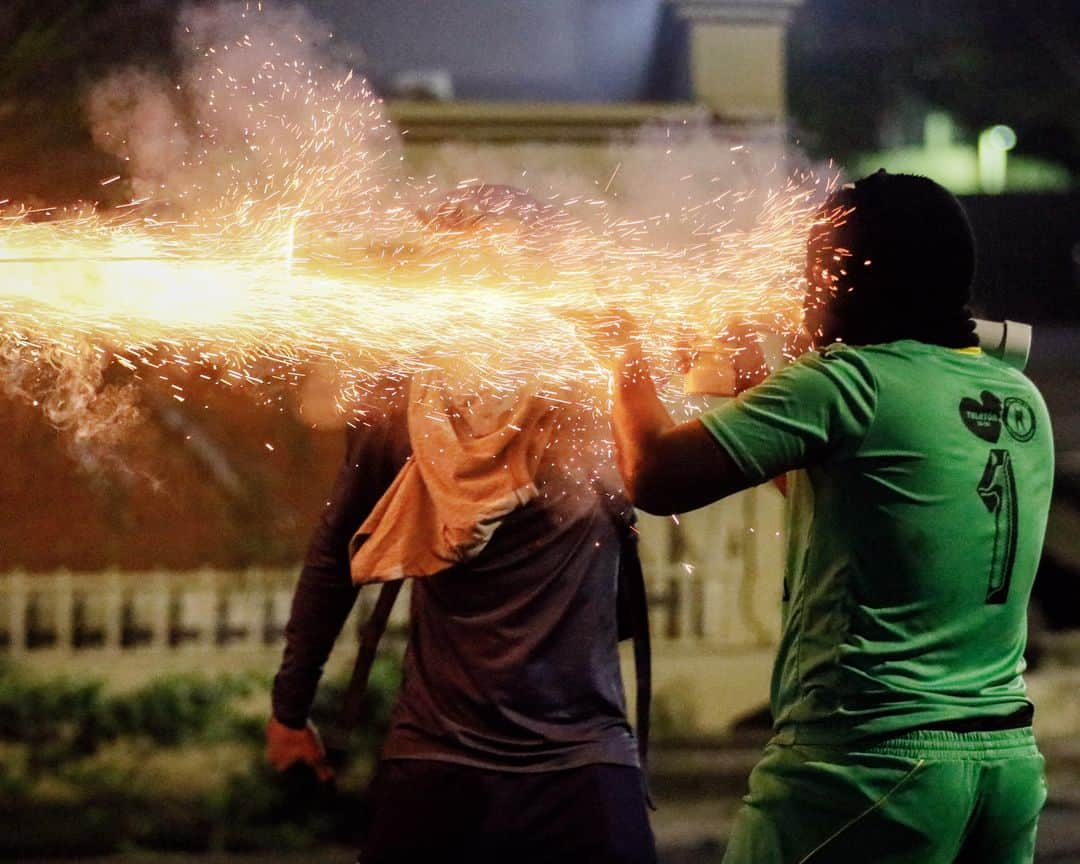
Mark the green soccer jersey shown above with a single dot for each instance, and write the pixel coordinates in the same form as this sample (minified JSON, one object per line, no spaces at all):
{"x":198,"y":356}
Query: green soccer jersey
{"x":916,"y":527}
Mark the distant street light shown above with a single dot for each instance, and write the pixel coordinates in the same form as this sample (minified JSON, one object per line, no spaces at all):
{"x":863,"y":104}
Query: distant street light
{"x":994,"y":145}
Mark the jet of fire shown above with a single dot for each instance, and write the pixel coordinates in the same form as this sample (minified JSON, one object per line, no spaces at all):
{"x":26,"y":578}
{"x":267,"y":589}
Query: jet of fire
{"x":278,"y":235}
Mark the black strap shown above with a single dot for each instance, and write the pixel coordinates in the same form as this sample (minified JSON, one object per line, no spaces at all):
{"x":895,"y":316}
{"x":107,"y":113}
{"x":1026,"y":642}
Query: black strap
{"x":636,"y":608}
{"x":352,"y":707}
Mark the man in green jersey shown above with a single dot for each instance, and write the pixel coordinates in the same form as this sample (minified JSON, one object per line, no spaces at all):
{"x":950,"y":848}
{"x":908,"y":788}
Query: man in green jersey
{"x":921,"y":474}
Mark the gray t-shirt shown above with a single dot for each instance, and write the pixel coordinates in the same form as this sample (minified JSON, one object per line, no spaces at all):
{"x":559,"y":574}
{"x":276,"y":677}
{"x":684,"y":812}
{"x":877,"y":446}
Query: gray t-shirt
{"x":512,"y":660}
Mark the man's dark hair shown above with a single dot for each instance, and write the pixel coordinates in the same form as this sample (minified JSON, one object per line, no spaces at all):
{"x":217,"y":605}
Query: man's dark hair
{"x":891,"y":257}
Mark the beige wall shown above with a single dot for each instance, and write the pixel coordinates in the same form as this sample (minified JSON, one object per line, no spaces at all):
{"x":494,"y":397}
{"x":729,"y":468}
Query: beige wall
{"x":738,"y":69}
{"x":737,"y":56}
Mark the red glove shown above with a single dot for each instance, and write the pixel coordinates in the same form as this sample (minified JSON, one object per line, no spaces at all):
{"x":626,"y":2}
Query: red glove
{"x":286,"y":746}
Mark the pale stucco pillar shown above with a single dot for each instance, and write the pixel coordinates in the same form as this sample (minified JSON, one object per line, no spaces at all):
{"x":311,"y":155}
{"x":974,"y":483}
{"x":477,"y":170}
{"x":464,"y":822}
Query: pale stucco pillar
{"x":737,"y":56}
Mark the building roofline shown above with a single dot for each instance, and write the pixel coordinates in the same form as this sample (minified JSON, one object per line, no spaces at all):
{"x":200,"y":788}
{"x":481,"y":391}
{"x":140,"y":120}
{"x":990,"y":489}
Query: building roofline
{"x":746,"y":11}
{"x":423,"y":121}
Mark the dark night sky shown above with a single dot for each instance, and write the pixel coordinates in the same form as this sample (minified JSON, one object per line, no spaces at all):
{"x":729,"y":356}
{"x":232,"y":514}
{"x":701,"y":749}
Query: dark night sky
{"x":856,"y":65}
{"x":856,"y":68}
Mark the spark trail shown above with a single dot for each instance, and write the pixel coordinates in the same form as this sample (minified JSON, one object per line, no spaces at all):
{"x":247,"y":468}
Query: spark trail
{"x":272,"y":231}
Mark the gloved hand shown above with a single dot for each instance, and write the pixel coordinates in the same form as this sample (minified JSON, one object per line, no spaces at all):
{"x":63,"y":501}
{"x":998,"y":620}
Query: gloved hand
{"x":286,"y":746}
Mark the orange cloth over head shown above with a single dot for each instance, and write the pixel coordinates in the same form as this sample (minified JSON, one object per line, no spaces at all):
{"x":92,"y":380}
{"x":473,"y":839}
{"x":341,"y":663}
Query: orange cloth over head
{"x":470,"y":467}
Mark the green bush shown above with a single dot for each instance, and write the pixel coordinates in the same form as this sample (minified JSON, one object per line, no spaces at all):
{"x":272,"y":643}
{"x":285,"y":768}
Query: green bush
{"x":181,"y":708}
{"x":61,"y":719}
{"x":175,"y":765}
{"x":52,"y":717}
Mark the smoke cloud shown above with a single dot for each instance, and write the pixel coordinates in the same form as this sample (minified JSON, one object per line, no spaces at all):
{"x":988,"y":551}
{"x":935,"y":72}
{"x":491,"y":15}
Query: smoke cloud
{"x":70,"y":390}
{"x":257,"y":119}
{"x":253,"y":132}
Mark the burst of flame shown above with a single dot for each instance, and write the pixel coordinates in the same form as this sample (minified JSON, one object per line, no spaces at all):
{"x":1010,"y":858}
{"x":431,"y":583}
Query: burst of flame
{"x":295,"y":244}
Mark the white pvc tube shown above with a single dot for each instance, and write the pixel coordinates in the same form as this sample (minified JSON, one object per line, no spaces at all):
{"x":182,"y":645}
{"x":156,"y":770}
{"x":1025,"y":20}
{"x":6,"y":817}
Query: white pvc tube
{"x":1009,"y":341}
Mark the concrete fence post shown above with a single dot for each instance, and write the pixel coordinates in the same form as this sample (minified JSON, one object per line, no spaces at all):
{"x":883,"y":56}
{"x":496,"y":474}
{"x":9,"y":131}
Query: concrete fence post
{"x":112,"y":601}
{"x":158,"y":609}
{"x":17,"y":602}
{"x":63,"y":603}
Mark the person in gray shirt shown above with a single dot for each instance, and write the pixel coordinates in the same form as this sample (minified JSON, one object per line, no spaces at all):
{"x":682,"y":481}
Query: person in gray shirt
{"x":509,"y":739}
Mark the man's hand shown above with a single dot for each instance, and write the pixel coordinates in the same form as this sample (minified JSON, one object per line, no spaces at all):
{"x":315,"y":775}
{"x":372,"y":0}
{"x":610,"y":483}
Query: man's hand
{"x":286,"y":746}
{"x":722,"y":365}
{"x":665,"y":468}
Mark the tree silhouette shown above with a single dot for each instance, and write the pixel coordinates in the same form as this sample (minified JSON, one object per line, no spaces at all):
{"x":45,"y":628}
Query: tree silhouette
{"x":864,"y":72}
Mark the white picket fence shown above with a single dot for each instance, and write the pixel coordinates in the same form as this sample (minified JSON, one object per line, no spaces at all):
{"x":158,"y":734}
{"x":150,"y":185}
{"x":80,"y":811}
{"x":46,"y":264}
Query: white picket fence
{"x":126,"y":626}
{"x":205,"y":611}
{"x":115,"y":611}
{"x":713,"y":579}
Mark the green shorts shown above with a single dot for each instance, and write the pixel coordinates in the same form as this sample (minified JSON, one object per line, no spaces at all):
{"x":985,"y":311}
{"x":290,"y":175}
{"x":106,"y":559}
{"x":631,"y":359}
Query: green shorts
{"x":928,"y":797}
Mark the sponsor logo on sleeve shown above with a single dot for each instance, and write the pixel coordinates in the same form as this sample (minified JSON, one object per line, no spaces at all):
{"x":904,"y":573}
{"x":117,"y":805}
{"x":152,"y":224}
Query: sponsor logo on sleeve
{"x":987,"y":415}
{"x":982,"y":418}
{"x":1018,"y":418}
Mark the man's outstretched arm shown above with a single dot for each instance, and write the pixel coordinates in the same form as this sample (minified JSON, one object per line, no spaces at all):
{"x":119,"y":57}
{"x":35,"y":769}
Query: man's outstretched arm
{"x":325,"y":593}
{"x":666,"y":467}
